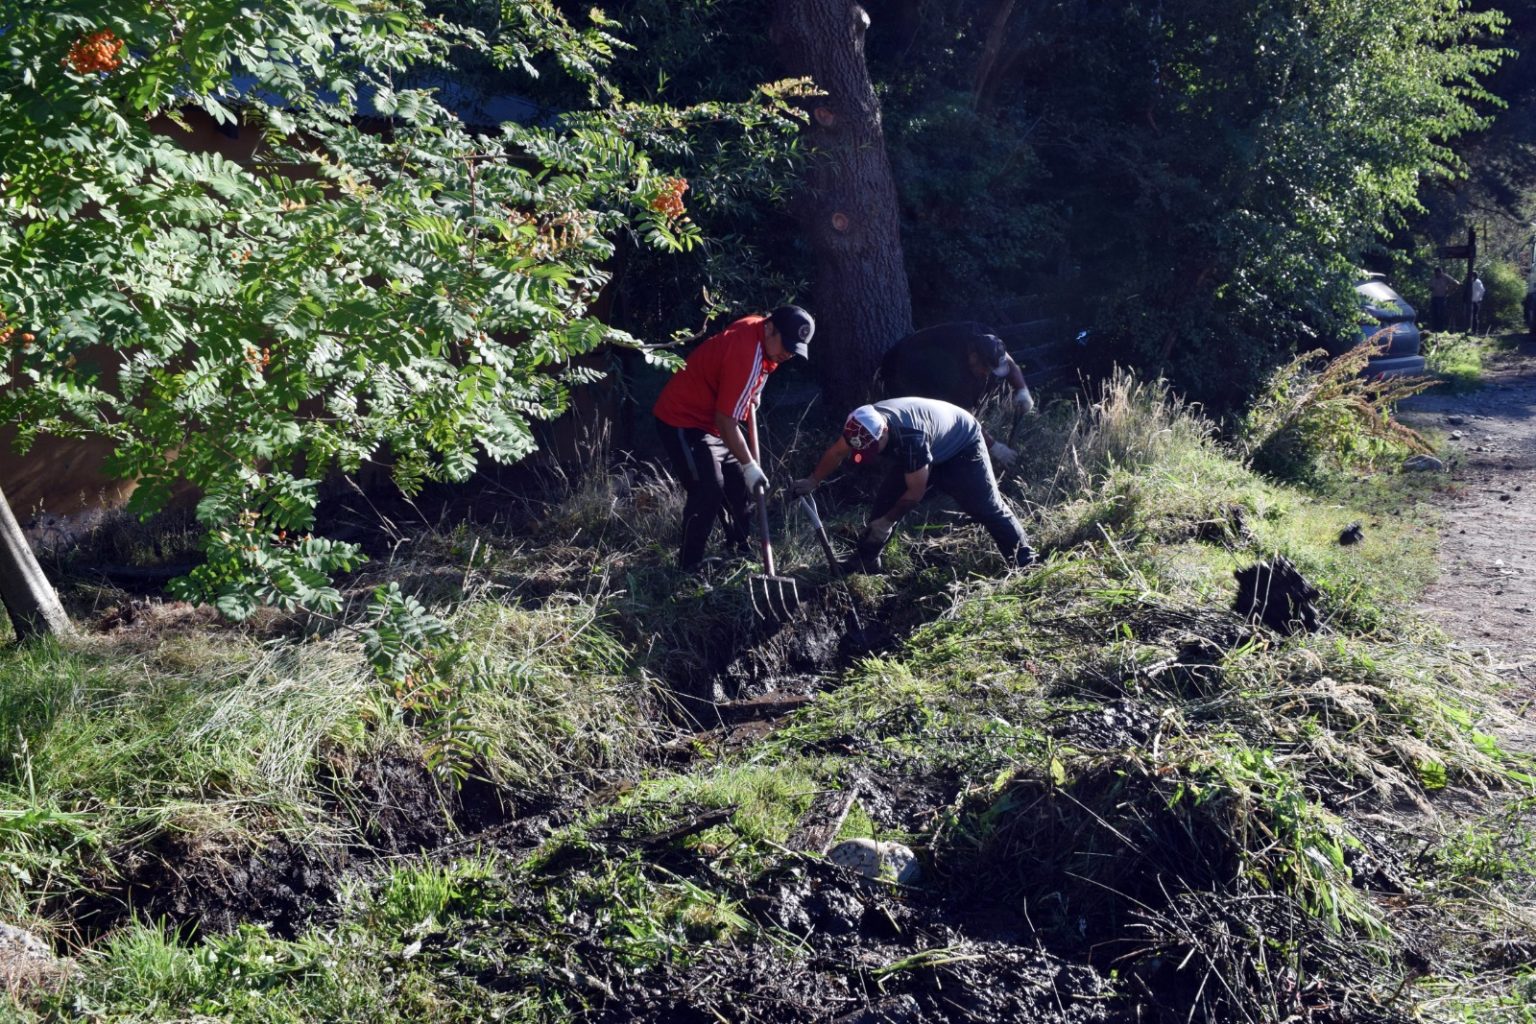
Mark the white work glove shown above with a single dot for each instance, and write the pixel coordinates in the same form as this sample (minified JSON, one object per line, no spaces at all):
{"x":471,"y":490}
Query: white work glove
{"x":756,"y":478}
{"x":1023,"y":401}
{"x":878,"y":531}
{"x":800,"y":488}
{"x":1002,"y":454}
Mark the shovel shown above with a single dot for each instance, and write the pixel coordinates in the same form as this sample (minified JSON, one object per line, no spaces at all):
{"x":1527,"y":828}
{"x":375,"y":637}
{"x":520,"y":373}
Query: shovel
{"x":774,"y":597}
{"x":808,"y":506}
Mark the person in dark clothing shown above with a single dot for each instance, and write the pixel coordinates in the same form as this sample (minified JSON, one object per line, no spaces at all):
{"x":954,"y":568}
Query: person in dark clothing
{"x":700,"y":414}
{"x":928,"y":445}
{"x":956,"y":363}
{"x":1441,"y":287}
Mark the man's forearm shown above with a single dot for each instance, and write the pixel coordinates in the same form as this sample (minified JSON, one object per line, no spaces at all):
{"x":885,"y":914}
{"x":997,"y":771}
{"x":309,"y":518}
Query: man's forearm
{"x":917,"y":487}
{"x":1015,"y":375}
{"x":735,"y":442}
{"x":830,"y":460}
{"x":904,"y":504}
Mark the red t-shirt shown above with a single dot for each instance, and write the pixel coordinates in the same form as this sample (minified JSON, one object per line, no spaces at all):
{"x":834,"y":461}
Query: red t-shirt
{"x":724,"y":374}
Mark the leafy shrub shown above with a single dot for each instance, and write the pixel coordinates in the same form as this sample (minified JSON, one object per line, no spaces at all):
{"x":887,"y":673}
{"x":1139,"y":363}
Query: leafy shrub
{"x":1506,"y":291}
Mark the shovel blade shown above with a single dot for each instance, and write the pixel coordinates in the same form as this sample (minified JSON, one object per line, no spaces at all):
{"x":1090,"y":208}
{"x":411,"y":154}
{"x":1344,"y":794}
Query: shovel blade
{"x":774,"y":598}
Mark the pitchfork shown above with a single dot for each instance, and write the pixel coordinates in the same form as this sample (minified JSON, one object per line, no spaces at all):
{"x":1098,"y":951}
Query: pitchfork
{"x":774,"y":597}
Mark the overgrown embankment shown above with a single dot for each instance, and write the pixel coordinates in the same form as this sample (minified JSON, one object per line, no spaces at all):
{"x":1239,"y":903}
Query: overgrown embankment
{"x":1128,"y":802}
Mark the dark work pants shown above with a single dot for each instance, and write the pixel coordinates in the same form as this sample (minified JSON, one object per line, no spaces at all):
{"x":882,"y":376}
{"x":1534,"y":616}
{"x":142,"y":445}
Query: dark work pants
{"x":713,"y":480}
{"x":1438,"y":308}
{"x":968,"y":479}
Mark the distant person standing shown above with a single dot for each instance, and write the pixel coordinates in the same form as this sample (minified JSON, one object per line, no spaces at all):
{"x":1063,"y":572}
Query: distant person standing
{"x":1441,"y":287}
{"x":956,"y":363}
{"x":1478,"y":291}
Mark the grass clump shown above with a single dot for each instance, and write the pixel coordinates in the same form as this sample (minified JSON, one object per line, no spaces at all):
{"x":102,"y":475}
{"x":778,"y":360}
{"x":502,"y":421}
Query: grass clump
{"x":388,"y":957}
{"x":1457,"y":361}
{"x":1310,"y":421}
{"x":225,"y":741}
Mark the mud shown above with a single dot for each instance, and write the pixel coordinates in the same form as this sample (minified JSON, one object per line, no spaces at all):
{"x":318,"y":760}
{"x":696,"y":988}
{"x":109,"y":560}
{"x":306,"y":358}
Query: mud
{"x":395,"y":806}
{"x":907,"y":799}
{"x":1177,"y":933}
{"x":728,"y":659}
{"x":839,"y":948}
{"x":1119,"y":725}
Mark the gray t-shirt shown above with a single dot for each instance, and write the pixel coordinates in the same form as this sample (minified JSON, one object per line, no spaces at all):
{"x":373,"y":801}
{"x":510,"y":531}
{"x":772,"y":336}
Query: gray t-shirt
{"x":926,"y":431}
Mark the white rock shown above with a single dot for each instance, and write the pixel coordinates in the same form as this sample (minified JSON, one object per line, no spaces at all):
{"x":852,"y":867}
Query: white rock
{"x":26,"y":961}
{"x":883,"y":861}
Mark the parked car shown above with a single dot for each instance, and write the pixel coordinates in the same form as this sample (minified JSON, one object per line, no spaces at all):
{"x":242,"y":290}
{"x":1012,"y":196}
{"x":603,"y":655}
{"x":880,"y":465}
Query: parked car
{"x":1389,"y":325}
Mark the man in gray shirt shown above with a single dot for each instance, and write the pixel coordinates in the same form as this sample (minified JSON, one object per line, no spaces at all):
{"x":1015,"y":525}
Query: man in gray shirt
{"x":927,"y":444}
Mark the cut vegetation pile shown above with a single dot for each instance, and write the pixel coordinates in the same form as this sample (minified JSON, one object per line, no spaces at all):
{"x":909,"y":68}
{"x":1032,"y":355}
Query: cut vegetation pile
{"x":1129,"y":802}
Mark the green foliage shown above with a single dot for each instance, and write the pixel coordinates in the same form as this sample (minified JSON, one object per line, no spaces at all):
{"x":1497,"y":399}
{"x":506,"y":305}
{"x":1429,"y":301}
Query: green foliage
{"x":1502,"y":305}
{"x":1486,"y":852}
{"x":1310,"y":419}
{"x":974,"y":223}
{"x":1315,"y":123}
{"x":214,"y":736}
{"x":337,"y":293}
{"x":1100,"y":736}
{"x":405,"y":635}
{"x":1202,"y":176}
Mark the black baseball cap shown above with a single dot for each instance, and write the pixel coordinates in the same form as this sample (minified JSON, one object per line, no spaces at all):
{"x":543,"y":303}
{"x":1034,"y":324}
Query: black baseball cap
{"x":795,"y":326}
{"x":989,"y":348}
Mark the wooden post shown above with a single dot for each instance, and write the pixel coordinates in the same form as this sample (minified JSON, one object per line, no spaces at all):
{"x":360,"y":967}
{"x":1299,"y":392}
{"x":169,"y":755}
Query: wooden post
{"x":29,"y":599}
{"x":1466,"y":283}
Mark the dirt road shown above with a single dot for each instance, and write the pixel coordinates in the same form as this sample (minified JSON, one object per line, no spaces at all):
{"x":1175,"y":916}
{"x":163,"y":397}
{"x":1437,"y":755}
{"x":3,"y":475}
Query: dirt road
{"x":1486,"y":593}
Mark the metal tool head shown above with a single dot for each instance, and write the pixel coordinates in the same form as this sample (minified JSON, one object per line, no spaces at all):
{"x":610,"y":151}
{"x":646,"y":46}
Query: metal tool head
{"x":808,"y":506}
{"x":774,"y":598}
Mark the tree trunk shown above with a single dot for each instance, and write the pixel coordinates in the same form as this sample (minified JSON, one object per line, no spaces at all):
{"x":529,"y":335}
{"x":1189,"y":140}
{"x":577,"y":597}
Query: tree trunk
{"x":28,"y":597}
{"x":848,"y":211}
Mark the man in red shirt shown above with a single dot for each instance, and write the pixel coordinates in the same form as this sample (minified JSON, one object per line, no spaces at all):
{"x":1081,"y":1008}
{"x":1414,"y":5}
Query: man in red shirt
{"x":700,"y":415}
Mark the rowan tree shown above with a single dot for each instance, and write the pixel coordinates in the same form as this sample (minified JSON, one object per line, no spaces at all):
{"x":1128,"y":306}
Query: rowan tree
{"x":374,"y":279}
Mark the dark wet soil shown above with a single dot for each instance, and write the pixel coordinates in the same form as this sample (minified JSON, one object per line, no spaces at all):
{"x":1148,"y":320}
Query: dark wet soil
{"x":835,"y":947}
{"x":981,"y":941}
{"x":396,"y":807}
{"x":831,"y":946}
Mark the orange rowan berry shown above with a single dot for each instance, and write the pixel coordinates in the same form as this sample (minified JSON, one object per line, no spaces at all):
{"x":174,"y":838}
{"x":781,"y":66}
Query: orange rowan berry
{"x":99,"y":51}
{"x":670,"y":200}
